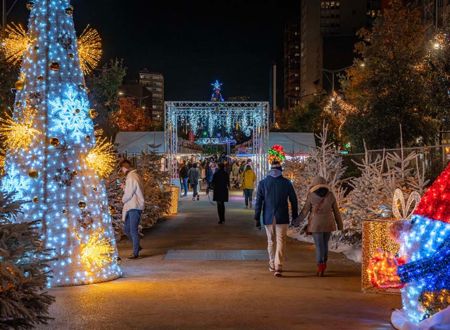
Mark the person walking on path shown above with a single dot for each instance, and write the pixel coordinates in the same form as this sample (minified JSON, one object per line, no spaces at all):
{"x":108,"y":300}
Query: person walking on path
{"x":133,"y":204}
{"x":248,"y":184}
{"x":184,"y":178}
{"x":221,"y":184}
{"x":194,"y":176}
{"x":323,"y":218}
{"x":272,"y":198}
{"x":235,"y":174}
{"x":210,"y":170}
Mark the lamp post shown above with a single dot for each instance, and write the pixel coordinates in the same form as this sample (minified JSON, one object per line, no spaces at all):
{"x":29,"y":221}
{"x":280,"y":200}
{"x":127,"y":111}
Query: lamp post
{"x":333,"y":73}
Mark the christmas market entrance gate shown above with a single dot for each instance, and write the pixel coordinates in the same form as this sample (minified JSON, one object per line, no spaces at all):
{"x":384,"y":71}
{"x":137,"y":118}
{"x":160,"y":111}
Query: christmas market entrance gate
{"x":251,"y":117}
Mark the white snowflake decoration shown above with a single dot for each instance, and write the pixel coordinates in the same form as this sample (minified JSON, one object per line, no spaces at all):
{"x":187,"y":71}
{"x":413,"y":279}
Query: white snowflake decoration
{"x":15,"y":182}
{"x":70,"y":115}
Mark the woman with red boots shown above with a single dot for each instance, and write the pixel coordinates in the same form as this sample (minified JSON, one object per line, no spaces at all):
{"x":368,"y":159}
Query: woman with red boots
{"x":323,"y":218}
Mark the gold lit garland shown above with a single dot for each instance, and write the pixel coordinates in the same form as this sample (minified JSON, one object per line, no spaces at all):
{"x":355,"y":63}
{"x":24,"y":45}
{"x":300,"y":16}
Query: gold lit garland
{"x":89,"y":49}
{"x":19,"y":134}
{"x":15,"y":43}
{"x":102,"y":158}
{"x":97,"y":252}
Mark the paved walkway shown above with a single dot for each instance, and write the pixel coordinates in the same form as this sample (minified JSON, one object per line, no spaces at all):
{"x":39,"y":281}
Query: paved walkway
{"x":159,"y":293}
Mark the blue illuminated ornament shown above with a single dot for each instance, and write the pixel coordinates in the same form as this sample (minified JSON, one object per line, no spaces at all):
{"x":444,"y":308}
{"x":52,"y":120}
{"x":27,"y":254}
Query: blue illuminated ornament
{"x":52,"y":174}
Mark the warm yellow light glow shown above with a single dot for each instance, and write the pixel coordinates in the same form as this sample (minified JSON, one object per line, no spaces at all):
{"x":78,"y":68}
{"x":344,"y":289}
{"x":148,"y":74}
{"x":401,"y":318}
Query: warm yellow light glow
{"x":97,"y":252}
{"x":89,"y":49}
{"x":376,"y":239}
{"x":174,"y":197}
{"x":19,"y":134}
{"x":2,"y":164}
{"x":439,"y":41}
{"x":434,"y":302}
{"x":339,"y":109}
{"x":15,"y":43}
{"x":102,"y":158}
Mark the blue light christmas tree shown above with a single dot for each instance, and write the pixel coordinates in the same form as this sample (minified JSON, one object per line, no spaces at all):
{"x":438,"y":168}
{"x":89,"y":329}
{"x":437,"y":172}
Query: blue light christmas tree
{"x":53,"y":151}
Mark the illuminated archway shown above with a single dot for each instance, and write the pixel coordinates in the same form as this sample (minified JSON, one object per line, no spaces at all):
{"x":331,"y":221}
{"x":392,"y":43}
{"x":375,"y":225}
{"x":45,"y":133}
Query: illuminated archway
{"x":252,"y":118}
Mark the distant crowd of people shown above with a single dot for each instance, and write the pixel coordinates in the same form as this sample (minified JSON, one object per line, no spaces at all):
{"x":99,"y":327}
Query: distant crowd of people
{"x":218,"y":174}
{"x":198,"y":175}
{"x":276,"y":205}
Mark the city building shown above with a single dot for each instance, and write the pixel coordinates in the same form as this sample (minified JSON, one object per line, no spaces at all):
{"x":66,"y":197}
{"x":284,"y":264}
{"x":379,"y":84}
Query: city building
{"x":302,"y":55}
{"x":319,"y":44}
{"x":292,"y":94}
{"x":342,"y":18}
{"x":311,"y":49}
{"x":154,"y":83}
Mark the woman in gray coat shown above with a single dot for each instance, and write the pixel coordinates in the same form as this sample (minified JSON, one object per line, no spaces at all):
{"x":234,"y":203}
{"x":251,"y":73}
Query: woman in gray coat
{"x":323,"y":218}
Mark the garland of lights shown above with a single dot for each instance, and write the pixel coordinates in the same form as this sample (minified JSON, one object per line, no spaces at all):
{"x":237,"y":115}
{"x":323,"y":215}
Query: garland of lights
{"x":208,"y":121}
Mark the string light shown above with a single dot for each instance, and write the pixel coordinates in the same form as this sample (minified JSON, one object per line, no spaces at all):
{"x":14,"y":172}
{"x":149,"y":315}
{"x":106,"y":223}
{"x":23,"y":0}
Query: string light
{"x":376,"y":243}
{"x":435,"y":302}
{"x":382,"y":271}
{"x":102,"y":158}
{"x":89,"y":49}
{"x":19,"y":134}
{"x":15,"y":43}
{"x":338,"y":108}
{"x":97,"y":251}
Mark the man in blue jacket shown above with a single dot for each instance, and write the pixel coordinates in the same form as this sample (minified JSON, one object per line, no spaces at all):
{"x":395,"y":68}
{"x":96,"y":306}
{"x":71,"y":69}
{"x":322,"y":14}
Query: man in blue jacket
{"x":272,"y":197}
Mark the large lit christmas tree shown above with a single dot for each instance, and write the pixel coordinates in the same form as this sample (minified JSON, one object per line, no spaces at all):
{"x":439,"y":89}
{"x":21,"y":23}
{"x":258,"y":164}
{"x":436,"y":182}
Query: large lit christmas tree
{"x":55,"y":161}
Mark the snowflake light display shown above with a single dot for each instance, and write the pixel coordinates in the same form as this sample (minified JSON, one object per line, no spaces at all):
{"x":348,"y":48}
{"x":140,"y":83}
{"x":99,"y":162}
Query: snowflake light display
{"x":70,"y":115}
{"x":52,"y":175}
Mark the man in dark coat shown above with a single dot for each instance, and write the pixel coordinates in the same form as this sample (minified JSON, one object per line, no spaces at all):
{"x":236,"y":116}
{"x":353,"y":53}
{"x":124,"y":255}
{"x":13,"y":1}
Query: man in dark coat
{"x":272,"y":197}
{"x":221,"y":184}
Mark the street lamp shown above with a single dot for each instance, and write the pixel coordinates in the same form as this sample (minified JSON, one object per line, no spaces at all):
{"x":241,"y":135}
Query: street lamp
{"x":333,"y":73}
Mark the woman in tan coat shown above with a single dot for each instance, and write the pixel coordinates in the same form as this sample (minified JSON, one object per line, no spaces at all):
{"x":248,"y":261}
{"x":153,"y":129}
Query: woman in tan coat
{"x":323,"y":218}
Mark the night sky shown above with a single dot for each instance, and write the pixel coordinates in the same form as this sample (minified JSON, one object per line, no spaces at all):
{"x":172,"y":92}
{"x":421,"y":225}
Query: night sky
{"x":191,"y":42}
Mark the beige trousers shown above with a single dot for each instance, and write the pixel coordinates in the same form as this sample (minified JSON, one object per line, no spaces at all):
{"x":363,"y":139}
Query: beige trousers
{"x":276,"y":244}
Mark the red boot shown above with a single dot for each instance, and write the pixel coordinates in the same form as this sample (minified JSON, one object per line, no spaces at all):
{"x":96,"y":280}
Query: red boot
{"x":319,"y":269}
{"x":324,"y":267}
